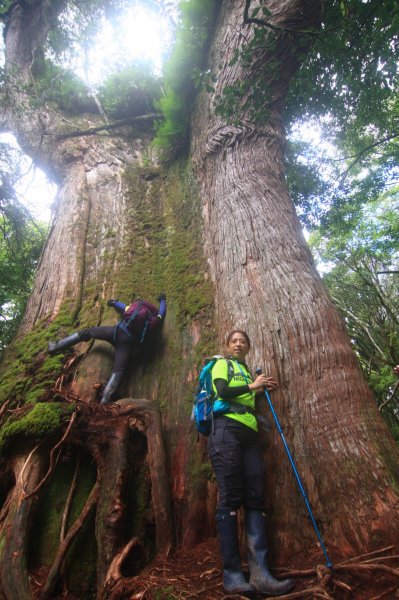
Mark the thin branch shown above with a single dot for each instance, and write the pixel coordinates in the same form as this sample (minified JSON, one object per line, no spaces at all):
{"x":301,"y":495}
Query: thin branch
{"x":390,"y":397}
{"x":359,"y":155}
{"x":367,"y":567}
{"x":362,"y":326}
{"x":386,"y":593}
{"x":263,"y":23}
{"x":387,"y":272}
{"x":357,"y":558}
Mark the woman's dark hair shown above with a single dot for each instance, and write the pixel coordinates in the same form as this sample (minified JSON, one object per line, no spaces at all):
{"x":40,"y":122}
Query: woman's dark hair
{"x":244,"y":333}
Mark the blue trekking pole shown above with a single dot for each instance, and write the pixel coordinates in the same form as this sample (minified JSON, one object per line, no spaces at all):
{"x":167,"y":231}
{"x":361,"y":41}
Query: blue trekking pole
{"x":328,"y":561}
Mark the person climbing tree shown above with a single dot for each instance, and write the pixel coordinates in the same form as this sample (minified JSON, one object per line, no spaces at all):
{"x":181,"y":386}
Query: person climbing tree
{"x":237,"y":461}
{"x":138,"y":321}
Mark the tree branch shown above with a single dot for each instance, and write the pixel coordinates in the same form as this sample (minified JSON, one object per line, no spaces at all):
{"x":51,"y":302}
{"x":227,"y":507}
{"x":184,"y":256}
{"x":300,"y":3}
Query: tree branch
{"x":262,"y":23}
{"x":359,"y":154}
{"x":361,"y":324}
{"x":94,"y":130}
{"x":388,"y":400}
{"x":387,"y":272}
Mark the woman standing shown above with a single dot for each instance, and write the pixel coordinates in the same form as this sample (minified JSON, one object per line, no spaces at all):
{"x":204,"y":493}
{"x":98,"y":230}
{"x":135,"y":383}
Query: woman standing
{"x":237,"y":462}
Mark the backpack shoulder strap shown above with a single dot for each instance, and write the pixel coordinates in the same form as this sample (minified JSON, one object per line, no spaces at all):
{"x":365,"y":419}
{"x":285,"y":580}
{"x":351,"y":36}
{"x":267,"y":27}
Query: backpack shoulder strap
{"x":230,"y":370}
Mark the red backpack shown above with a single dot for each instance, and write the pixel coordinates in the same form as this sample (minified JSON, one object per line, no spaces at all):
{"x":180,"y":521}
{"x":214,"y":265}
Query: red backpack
{"x":140,"y":318}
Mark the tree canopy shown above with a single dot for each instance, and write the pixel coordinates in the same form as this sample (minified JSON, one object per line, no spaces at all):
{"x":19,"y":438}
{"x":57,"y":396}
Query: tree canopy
{"x":362,"y":257}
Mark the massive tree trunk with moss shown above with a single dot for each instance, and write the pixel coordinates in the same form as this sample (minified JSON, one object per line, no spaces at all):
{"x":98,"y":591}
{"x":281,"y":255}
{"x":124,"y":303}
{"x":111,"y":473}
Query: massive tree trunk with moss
{"x":266,"y":283}
{"x":123,"y":226}
{"x":85,"y":485}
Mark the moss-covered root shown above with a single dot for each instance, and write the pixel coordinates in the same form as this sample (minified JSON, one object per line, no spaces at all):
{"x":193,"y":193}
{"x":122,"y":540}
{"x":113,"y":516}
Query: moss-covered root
{"x":14,"y":580}
{"x":111,"y":506}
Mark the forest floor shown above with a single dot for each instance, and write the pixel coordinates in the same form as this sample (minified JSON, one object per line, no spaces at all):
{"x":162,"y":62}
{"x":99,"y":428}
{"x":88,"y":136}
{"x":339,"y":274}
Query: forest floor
{"x":195,"y":574}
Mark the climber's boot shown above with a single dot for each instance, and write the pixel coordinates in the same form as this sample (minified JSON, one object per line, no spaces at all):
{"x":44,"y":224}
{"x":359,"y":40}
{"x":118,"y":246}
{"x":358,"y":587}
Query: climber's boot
{"x":71,"y":340}
{"x":234,"y":581}
{"x":260,"y":577}
{"x":111,"y":386}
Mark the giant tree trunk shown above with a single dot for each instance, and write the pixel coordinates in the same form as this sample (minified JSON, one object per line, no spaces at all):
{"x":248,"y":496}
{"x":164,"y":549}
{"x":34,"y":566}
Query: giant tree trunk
{"x":123,"y":226}
{"x":266,"y":283}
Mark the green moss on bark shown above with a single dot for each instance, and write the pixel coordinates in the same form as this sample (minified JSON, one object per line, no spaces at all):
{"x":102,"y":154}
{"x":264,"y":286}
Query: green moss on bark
{"x":41,"y":421}
{"x":45,"y":538}
{"x":27,"y":366}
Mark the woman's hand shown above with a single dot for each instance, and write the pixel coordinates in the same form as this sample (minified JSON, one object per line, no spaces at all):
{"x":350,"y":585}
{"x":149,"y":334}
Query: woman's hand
{"x":263,"y":382}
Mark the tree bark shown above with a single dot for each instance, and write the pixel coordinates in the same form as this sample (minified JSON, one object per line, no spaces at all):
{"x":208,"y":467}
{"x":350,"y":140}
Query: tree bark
{"x":124,"y":226}
{"x":14,"y":581}
{"x":266,"y":283}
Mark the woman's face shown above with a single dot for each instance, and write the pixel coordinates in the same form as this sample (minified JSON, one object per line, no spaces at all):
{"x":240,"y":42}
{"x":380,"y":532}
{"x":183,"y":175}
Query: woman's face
{"x":238,"y":346}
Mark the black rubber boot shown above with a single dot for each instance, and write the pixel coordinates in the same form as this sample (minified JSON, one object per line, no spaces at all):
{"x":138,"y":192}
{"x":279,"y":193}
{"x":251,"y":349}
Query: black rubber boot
{"x":71,"y":340}
{"x":234,"y":581}
{"x":260,"y":578}
{"x":111,"y":387}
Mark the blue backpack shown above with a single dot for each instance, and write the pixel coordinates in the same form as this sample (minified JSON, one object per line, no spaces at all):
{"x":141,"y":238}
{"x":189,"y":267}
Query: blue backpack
{"x":204,"y":397}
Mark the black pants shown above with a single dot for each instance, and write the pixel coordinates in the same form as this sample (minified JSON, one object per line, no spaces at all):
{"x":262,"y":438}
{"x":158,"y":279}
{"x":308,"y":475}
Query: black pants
{"x":124,"y":345}
{"x":237,"y":461}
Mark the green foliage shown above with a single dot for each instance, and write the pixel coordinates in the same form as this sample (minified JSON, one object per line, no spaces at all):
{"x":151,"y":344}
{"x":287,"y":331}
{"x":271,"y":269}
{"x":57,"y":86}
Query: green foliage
{"x":351,"y":73}
{"x":182,"y":72}
{"x":348,"y":86}
{"x":361,"y":251}
{"x":21,"y":243}
{"x":310,"y":190}
{"x":75,"y":29}
{"x":133,"y":91}
{"x":41,"y":421}
{"x":67,"y":90}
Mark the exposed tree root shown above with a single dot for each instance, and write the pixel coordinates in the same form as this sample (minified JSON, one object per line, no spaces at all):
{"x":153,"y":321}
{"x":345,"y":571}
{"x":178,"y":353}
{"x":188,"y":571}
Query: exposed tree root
{"x":192,"y":574}
{"x":114,"y":575}
{"x":67,"y":507}
{"x":195,"y":574}
{"x":14,"y":581}
{"x":65,"y":545}
{"x":53,"y":461}
{"x":330,"y":586}
{"x":3,"y":408}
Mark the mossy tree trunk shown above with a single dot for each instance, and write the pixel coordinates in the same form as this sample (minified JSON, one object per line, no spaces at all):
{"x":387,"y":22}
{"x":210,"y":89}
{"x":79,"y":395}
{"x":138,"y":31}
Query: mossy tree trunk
{"x":266,"y":283}
{"x":123,"y":226}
